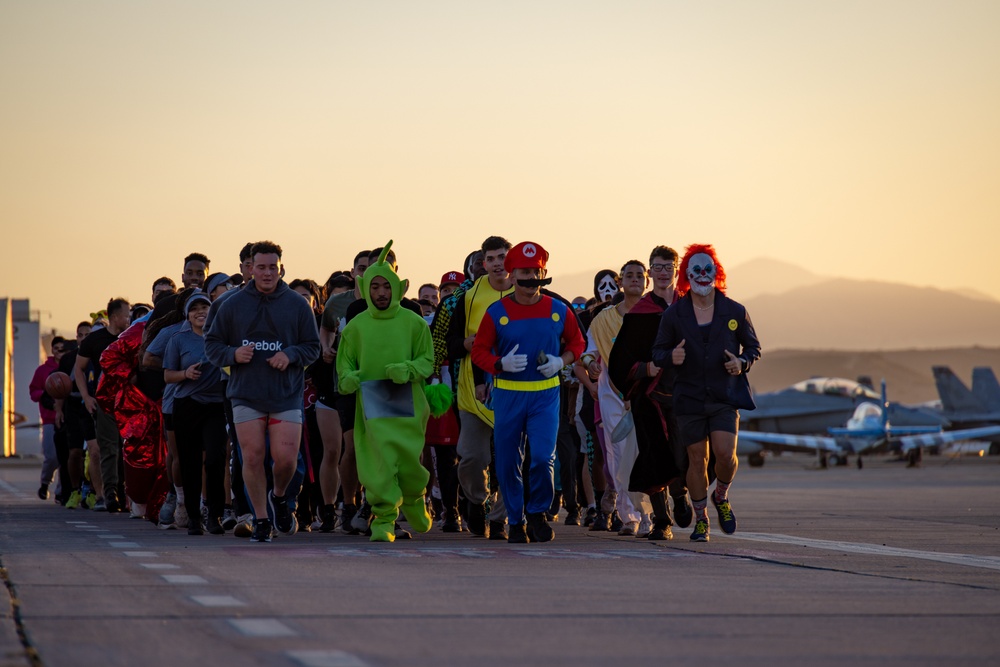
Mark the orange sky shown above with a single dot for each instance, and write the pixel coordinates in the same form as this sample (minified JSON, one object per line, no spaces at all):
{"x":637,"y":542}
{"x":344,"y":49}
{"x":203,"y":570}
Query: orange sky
{"x":857,"y":139}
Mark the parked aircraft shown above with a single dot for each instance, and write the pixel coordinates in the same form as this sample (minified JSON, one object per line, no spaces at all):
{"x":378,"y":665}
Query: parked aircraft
{"x":817,"y":404}
{"x":969,"y":409}
{"x":867,"y":431}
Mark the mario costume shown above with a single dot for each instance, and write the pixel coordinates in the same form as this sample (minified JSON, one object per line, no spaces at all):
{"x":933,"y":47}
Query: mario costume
{"x":385,"y":356}
{"x":522,"y":345}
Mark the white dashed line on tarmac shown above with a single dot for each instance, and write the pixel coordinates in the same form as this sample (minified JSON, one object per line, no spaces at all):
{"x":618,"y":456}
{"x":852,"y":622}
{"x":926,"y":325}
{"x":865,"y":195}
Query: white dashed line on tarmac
{"x":261,"y":627}
{"x":77,"y":522}
{"x":112,"y":537}
{"x":159,"y":566}
{"x":140,"y":554}
{"x":123,"y":545}
{"x":218,"y":601}
{"x":987,"y":562}
{"x":183,"y":579}
{"x":326,"y":659}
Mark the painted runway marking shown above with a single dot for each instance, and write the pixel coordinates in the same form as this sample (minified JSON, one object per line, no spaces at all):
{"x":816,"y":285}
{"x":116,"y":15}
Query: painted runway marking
{"x":159,"y":566}
{"x":326,"y":659}
{"x":112,"y":537}
{"x":183,"y":579}
{"x":261,"y":627}
{"x":218,"y":601}
{"x":140,"y":554}
{"x":987,"y":562}
{"x":123,"y":545}
{"x":479,"y":554}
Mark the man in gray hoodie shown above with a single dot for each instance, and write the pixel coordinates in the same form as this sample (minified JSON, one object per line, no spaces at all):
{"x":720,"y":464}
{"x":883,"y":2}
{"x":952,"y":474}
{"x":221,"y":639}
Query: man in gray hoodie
{"x":266,"y":334}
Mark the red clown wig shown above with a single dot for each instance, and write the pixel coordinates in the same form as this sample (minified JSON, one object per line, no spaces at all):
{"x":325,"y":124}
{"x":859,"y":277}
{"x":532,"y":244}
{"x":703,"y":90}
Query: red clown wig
{"x":683,"y":284}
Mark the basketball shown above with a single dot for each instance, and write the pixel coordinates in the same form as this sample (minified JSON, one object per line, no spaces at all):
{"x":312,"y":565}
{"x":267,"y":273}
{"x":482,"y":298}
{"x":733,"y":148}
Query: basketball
{"x":58,"y":385}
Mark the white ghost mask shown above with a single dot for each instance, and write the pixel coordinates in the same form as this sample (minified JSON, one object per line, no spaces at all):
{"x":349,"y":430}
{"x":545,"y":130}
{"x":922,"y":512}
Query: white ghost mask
{"x":607,"y":288}
{"x":701,"y":274}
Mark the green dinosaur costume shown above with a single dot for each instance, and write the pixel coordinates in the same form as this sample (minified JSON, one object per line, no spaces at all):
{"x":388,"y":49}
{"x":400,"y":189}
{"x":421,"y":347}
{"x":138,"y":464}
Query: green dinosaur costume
{"x":385,"y":356}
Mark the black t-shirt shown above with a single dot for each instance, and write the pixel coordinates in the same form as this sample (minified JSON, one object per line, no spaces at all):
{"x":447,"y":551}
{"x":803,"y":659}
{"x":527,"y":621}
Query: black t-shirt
{"x":93,"y":346}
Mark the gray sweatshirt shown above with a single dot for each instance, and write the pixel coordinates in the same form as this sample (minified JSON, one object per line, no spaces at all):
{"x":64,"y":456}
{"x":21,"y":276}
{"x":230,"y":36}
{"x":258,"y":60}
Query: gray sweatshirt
{"x":278,"y":322}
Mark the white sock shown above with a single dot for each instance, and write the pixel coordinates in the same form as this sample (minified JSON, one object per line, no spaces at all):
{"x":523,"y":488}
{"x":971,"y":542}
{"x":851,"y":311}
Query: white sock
{"x":180,"y":493}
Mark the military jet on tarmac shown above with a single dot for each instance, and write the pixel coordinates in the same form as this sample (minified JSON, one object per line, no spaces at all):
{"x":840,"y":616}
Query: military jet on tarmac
{"x":868,"y":431}
{"x":817,"y":404}
{"x":968,"y":409}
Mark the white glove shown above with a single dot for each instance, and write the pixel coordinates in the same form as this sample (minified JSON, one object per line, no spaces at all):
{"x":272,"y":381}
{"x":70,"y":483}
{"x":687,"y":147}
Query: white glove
{"x":514,"y":363}
{"x":552,"y":366}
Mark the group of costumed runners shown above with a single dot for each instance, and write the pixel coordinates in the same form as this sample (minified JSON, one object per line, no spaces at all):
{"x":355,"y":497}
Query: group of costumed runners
{"x":671,"y":365}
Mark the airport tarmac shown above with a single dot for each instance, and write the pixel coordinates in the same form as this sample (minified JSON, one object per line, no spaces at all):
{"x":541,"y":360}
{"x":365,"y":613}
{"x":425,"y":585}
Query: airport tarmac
{"x":880,"y":566}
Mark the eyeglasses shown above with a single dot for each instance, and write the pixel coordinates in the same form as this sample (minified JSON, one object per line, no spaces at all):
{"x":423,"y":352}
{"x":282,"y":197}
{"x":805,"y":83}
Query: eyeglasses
{"x":661,"y":267}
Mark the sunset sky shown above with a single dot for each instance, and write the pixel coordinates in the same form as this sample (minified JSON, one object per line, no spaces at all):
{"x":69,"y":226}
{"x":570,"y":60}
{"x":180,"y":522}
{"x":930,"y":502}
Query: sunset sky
{"x":857,"y":139}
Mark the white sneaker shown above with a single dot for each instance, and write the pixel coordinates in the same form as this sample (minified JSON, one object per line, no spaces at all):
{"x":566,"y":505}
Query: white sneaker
{"x":181,"y":516}
{"x":137,"y":511}
{"x":645,"y":526}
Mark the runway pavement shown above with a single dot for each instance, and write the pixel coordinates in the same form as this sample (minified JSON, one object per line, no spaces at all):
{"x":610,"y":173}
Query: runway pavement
{"x":880,"y":566}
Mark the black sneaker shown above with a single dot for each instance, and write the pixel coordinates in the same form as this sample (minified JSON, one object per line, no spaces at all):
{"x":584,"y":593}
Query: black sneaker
{"x":588,"y":521}
{"x":727,"y":520}
{"x":452,"y":524}
{"x":683,"y":512}
{"x":195,"y":528}
{"x":111,"y":501}
{"x":215,"y":526}
{"x":700,"y":533}
{"x":401,"y":533}
{"x":602,"y":522}
{"x":347,"y":518}
{"x":328,"y":517}
{"x":284,"y":520}
{"x":539,"y":529}
{"x":362,"y":521}
{"x":477,"y":519}
{"x":616,"y":522}
{"x":518,"y":535}
{"x":660,"y":532}
{"x":261,"y":531}
{"x":572,"y":518}
{"x":498,"y":530}
{"x":43,"y":492}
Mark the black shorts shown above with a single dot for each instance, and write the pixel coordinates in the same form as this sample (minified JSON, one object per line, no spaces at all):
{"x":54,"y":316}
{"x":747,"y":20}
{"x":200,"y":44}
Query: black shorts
{"x":694,"y":429}
{"x":168,"y":421}
{"x":346,"y":404}
{"x":79,"y":425}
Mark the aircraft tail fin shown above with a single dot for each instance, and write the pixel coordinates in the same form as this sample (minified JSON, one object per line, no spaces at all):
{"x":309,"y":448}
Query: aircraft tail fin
{"x":955,"y":396}
{"x":986,"y":388}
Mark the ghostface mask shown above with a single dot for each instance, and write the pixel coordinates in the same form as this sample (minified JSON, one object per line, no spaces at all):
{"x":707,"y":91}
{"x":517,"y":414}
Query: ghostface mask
{"x":606,"y":288}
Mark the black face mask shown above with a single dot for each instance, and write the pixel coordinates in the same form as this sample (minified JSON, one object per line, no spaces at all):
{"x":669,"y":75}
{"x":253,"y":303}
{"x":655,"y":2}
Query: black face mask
{"x":532,"y":283}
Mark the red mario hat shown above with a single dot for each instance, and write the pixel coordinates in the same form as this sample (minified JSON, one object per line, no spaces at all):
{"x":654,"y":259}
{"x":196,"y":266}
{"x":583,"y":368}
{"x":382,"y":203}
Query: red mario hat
{"x":455,"y":277}
{"x":525,"y":255}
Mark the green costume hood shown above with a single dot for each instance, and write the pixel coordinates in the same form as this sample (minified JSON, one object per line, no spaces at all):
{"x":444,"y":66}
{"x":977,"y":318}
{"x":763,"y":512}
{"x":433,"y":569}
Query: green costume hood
{"x":383,"y":269}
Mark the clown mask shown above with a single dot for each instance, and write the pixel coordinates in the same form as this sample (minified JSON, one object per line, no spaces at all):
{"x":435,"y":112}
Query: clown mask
{"x":701,"y":274}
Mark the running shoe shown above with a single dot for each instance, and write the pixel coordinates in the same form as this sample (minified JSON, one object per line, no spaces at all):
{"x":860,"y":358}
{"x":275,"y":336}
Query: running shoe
{"x":616,"y":522}
{"x":683,"y":512}
{"x":284,"y":519}
{"x":261,"y":531}
{"x":327,"y":519}
{"x":167,"y":512}
{"x":497,"y":530}
{"x":700,"y":533}
{"x":645,"y":527}
{"x":727,"y":520}
{"x":659,"y":534}
{"x":591,"y":515}
{"x":601,"y":522}
{"x":74,"y":500}
{"x":363,"y":519}
{"x":181,"y":516}
{"x":91,"y":501}
{"x":99,"y":506}
{"x":244,"y":526}
{"x":572,"y":518}
{"x":214,"y":525}
{"x":629,"y":529}
{"x":43,"y":491}
{"x":539,"y":529}
{"x":228,"y":518}
{"x":518,"y":534}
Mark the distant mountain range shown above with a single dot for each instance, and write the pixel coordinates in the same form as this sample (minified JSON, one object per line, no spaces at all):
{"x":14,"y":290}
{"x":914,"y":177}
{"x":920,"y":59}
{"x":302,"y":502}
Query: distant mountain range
{"x":793,"y":308}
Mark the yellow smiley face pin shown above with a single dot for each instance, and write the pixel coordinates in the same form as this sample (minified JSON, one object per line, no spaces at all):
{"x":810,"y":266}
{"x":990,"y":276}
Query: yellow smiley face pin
{"x":733,"y":325}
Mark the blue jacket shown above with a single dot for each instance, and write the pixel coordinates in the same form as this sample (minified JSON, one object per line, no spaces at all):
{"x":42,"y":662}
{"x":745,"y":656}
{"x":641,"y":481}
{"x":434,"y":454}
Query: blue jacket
{"x":702,"y":378}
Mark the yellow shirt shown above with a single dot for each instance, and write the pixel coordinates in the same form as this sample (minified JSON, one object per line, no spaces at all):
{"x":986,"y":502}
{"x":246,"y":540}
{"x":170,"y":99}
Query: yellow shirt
{"x":605,"y":329}
{"x":477,"y":299}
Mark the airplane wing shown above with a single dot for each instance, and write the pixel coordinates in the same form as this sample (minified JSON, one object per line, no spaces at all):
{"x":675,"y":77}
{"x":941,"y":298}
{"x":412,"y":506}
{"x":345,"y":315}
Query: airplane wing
{"x":780,"y":442}
{"x":913,"y":441}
